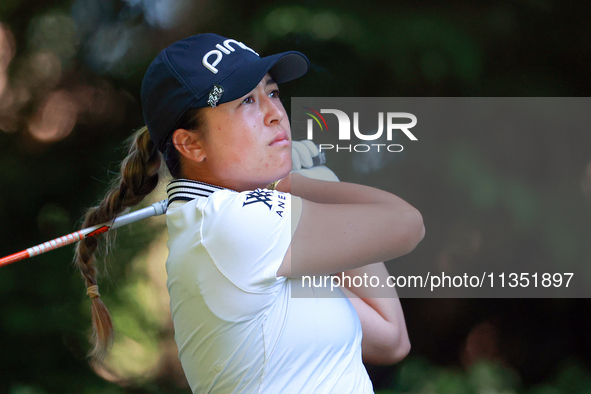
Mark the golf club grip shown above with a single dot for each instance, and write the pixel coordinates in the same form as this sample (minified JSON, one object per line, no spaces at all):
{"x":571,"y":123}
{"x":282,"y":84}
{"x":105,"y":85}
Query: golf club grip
{"x":153,"y":210}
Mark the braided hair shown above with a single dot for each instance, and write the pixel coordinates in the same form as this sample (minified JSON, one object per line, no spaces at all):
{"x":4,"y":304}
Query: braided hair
{"x":138,"y":177}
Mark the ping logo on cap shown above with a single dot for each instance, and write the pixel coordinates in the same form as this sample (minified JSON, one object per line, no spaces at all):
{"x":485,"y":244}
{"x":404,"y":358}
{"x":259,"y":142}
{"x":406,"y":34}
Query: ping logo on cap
{"x":226,"y":49}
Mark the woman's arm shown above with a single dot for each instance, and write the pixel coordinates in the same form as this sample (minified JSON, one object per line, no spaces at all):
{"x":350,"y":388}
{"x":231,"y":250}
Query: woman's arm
{"x":345,"y":226}
{"x":385,"y":338}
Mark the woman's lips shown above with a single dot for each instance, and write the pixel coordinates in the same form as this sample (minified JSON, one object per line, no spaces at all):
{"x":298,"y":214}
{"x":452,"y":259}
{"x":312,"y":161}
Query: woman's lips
{"x":280,"y":140}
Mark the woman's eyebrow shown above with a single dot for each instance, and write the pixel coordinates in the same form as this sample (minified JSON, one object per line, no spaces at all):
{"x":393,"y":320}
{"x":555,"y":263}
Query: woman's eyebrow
{"x":270,"y":81}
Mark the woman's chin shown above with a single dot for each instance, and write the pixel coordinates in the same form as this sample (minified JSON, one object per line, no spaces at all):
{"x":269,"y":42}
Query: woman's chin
{"x":285,"y":172}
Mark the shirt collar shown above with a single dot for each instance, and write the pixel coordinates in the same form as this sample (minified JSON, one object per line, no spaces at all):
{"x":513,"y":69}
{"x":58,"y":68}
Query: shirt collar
{"x":187,"y":190}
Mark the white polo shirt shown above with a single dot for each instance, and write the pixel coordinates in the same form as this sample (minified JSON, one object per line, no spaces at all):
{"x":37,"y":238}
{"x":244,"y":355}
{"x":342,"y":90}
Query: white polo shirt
{"x":237,"y":328}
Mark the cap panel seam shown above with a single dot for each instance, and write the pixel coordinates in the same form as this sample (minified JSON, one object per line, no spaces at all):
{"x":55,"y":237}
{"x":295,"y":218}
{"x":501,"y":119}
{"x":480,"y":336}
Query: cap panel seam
{"x":197,"y":97}
{"x":182,"y":80}
{"x":178,"y":75}
{"x":186,"y":85}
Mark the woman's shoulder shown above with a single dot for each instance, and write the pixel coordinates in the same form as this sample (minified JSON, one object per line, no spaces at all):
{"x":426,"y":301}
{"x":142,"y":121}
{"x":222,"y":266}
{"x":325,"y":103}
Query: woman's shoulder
{"x":193,"y":197}
{"x":259,"y":204}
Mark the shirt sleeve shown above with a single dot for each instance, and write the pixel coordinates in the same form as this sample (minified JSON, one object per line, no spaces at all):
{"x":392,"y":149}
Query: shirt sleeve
{"x":247,"y":235}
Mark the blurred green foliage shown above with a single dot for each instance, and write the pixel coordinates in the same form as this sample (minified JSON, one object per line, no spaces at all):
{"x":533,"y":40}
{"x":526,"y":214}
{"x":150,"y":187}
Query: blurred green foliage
{"x":416,"y":375}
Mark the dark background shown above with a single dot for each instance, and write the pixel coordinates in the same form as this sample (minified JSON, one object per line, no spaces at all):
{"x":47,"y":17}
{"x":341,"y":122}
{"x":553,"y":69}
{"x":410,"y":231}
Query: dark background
{"x":70,"y":73}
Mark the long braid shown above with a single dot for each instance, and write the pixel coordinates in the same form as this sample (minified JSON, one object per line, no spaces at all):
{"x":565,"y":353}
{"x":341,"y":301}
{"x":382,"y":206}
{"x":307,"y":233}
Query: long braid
{"x":139,"y":177}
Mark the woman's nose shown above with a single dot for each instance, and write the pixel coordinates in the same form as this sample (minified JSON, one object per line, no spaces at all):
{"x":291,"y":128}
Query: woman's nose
{"x":274,"y":111}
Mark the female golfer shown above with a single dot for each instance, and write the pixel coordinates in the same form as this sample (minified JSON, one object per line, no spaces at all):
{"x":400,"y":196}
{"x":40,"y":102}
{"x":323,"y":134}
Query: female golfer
{"x":237,"y":248}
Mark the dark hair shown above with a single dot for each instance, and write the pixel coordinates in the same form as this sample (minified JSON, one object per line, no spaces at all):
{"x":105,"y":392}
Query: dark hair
{"x":138,"y":177}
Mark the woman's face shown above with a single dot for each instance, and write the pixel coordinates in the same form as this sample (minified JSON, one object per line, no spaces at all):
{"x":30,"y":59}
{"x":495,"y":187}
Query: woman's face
{"x":247,"y":142}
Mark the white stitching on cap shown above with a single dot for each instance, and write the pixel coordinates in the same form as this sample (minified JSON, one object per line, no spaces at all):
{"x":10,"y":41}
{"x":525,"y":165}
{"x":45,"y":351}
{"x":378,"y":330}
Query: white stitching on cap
{"x":221,"y":48}
{"x":240,"y":44}
{"x":227,"y":49}
{"x":211,"y":67}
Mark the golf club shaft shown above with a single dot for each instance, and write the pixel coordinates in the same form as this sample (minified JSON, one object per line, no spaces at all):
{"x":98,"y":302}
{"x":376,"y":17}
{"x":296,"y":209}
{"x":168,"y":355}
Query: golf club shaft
{"x":153,"y":210}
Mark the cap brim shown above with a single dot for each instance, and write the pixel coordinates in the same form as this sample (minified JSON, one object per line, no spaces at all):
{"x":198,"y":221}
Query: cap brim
{"x":282,"y":67}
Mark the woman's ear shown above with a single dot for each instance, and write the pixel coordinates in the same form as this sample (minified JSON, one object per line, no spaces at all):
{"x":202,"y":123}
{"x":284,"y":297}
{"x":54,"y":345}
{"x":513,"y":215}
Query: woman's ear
{"x":189,"y":144}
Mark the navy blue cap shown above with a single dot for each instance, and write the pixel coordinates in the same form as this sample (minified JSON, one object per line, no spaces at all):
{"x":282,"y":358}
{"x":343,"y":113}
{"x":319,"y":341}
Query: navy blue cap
{"x":206,"y":70}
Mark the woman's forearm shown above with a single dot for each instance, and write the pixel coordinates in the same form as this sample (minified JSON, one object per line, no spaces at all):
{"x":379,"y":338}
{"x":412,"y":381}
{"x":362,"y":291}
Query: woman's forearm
{"x":341,"y":192}
{"x":358,"y":225}
{"x":385,"y":338}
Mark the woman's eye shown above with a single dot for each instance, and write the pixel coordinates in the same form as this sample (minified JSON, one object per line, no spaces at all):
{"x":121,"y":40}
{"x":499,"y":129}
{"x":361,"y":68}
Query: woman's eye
{"x":274,"y":93}
{"x":248,"y":100}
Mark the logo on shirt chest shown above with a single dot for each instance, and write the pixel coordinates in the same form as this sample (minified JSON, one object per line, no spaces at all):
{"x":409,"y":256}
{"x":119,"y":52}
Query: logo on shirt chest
{"x":264,"y":196}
